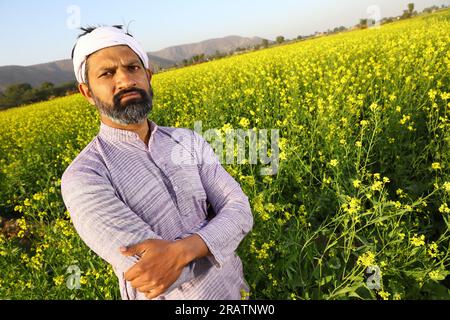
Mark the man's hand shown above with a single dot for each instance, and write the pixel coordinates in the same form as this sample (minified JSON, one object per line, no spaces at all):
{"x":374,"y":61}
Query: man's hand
{"x":161,"y":263}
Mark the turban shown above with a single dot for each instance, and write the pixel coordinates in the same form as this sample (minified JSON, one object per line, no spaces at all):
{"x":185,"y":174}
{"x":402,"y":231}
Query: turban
{"x":100,"y":38}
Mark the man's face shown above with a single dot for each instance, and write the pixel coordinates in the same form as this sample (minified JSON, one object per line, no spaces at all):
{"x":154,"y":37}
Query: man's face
{"x":119,"y":85}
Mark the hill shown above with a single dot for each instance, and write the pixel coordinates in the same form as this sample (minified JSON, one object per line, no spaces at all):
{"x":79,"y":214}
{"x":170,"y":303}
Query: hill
{"x":61,"y":71}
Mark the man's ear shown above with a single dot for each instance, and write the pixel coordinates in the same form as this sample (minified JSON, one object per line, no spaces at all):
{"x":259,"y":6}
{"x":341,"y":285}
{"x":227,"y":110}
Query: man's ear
{"x":149,"y":74}
{"x":86,"y":92}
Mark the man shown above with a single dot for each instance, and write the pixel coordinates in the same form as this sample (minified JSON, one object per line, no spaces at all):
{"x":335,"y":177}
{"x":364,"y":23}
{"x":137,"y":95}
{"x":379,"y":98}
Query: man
{"x":138,"y":193}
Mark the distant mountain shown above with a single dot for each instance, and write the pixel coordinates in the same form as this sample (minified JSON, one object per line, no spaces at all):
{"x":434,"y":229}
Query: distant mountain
{"x":59,"y":72}
{"x":56,"y":72}
{"x":208,"y":47}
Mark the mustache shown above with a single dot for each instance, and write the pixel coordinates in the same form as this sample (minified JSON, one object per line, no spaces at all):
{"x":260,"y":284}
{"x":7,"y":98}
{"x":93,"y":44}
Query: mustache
{"x":118,"y":96}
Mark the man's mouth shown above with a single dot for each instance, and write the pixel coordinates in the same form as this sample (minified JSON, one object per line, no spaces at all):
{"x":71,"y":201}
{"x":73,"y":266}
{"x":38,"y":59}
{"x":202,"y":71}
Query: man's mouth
{"x":130,"y":95}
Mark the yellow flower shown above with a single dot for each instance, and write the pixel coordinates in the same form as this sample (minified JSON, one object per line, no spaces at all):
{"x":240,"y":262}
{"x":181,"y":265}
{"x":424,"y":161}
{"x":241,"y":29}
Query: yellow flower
{"x":227,"y":128}
{"x":334,"y":163}
{"x":432,"y":94}
{"x":356,"y":183}
{"x":433,"y":250}
{"x":353,"y":206}
{"x":25,"y":258}
{"x":244,"y":294}
{"x":397,"y":204}
{"x":444,"y":208}
{"x":418,"y":241}
{"x":377,"y":186}
{"x":23,"y":227}
{"x":327,"y":180}
{"x":446,"y":187}
{"x":384,"y":295}
{"x":38,"y":196}
{"x":374,"y":106}
{"x":405,"y":119}
{"x":58,"y":280}
{"x":244,"y":122}
{"x":263,"y":252}
{"x":434,"y":275}
{"x":270,"y":207}
{"x":436,"y":166}
{"x":367,"y":259}
{"x":445,"y":95}
{"x":437,"y":275}
{"x":250,"y":180}
{"x":397,"y":296}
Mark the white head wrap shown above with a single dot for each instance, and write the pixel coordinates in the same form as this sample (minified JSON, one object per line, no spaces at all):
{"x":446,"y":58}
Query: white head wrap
{"x":100,"y":38}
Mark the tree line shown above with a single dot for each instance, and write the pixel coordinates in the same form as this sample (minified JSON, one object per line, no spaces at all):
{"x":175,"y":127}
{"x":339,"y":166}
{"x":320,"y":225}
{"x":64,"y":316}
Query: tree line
{"x":23,"y":93}
{"x":19,"y":94}
{"x":410,"y":12}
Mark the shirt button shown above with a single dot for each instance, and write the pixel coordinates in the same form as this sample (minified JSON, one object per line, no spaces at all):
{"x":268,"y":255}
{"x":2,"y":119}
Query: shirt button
{"x":175,"y":188}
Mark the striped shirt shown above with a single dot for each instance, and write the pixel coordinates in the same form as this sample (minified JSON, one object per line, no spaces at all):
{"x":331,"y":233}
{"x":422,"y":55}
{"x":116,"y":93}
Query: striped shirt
{"x":120,"y":191}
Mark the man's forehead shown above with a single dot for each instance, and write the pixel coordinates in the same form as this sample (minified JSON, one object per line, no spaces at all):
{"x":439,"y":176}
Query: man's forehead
{"x":112,"y":56}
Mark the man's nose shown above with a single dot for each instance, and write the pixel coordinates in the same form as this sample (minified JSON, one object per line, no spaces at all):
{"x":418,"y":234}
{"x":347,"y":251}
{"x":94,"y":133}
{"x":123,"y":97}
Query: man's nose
{"x":124,"y":80}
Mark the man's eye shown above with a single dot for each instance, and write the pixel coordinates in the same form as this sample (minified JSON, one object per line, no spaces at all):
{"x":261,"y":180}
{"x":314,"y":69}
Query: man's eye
{"x":107,"y":73}
{"x":134,"y":68}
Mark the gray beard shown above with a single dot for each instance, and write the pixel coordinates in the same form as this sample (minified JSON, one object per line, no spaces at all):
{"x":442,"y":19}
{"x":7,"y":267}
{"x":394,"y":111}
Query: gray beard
{"x":130,"y":113}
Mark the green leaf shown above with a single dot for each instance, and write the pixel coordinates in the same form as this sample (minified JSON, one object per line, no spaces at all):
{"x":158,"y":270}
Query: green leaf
{"x":323,"y":281}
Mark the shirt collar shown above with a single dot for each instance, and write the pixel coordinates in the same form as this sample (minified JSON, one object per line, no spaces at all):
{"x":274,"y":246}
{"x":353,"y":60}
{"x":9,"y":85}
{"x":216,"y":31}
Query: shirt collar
{"x":114,"y":134}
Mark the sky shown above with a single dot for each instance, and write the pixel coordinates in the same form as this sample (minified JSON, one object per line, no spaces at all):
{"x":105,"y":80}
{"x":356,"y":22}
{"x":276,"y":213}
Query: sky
{"x":34,"y":32}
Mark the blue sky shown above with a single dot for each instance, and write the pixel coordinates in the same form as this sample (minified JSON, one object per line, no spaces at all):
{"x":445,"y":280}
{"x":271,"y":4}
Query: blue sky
{"x":34,"y":32}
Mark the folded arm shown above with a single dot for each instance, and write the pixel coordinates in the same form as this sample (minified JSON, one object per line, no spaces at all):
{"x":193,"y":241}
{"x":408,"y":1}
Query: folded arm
{"x":106,"y":224}
{"x":233,"y":218}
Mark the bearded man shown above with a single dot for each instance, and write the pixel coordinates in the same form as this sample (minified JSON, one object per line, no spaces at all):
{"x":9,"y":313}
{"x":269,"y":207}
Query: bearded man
{"x":138,"y":194}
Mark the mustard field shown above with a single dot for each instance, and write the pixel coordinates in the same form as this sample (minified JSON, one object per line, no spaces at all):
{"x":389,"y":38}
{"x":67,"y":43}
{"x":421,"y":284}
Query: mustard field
{"x":360,"y":205}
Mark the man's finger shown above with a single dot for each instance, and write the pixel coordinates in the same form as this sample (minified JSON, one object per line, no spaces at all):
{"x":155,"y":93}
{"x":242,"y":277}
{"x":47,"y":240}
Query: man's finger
{"x":143,"y":281}
{"x":133,"y":250}
{"x":146,"y":288}
{"x":154,"y":293}
{"x":134,"y":272}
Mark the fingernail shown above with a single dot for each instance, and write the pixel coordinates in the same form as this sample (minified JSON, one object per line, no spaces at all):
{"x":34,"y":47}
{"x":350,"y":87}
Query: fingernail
{"x":123,"y":249}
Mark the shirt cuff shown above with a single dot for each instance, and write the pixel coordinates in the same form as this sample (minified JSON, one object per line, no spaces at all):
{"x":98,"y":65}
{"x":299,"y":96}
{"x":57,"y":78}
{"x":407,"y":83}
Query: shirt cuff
{"x":216,"y":258}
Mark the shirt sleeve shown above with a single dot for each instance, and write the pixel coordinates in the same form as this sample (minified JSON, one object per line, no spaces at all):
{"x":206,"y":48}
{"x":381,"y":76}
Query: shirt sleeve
{"x":105,"y":223}
{"x":234,"y":219}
